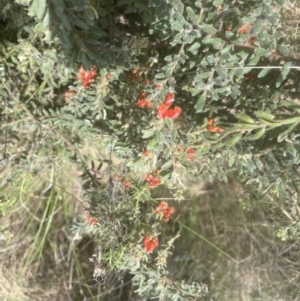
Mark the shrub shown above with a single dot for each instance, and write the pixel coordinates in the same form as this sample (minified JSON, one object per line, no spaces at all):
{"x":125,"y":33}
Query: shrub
{"x":174,"y":89}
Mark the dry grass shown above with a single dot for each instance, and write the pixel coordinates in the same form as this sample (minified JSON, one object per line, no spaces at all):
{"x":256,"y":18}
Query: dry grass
{"x":40,"y":261}
{"x":261,"y":266}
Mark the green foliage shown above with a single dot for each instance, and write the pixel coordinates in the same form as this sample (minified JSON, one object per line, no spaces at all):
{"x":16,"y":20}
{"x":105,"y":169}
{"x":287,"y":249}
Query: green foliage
{"x":226,"y":62}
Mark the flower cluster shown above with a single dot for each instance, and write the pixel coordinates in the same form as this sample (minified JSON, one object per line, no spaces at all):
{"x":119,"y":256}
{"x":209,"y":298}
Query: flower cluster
{"x":92,"y":220}
{"x":153,"y":180}
{"x":191,"y":154}
{"x":165,"y":210}
{"x":151,"y":243}
{"x":164,"y":109}
{"x":143,"y":102}
{"x":212,"y":128}
{"x":87,"y":78}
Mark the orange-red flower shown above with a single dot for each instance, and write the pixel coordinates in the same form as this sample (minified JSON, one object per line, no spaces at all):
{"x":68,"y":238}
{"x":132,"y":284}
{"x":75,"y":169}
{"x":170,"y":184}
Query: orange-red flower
{"x":92,"y":220}
{"x":146,"y":153}
{"x":169,"y":99}
{"x":211,"y":122}
{"x":218,"y":129}
{"x":154,"y":181}
{"x":147,"y":81}
{"x":212,"y":128}
{"x":145,"y":103}
{"x":127,"y":184}
{"x":164,"y":111}
{"x":165,"y":210}
{"x":247,"y":27}
{"x":191,"y":154}
{"x":151,"y":243}
{"x":87,"y":77}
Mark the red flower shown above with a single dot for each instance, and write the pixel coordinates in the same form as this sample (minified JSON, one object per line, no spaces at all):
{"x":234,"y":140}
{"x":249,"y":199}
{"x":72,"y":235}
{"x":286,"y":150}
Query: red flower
{"x":245,"y":28}
{"x":87,"y":78}
{"x":145,"y":103}
{"x":169,"y":99}
{"x":218,"y":129}
{"x":146,"y":153}
{"x":191,"y":154}
{"x":211,"y":122}
{"x":147,"y":81}
{"x":151,"y":243}
{"x":92,"y":220}
{"x":154,"y":181}
{"x":212,"y":128}
{"x":164,"y":111}
{"x":167,"y":213}
{"x":165,"y":210}
{"x":127,"y":184}
{"x":149,"y":177}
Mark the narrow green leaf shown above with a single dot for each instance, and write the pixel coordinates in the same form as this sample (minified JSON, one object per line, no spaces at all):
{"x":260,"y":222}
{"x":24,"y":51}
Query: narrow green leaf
{"x":233,"y":140}
{"x":264,"y":72}
{"x":247,"y":126}
{"x":257,"y":135}
{"x":244,"y":117}
{"x":208,"y":29}
{"x":201,"y":103}
{"x":284,"y":134}
{"x":192,"y":16}
{"x":284,"y":73}
{"x":264,"y":115}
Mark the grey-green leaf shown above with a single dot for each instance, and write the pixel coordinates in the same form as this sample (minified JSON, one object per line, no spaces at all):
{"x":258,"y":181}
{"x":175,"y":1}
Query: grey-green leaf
{"x":201,"y":103}
{"x":257,"y":135}
{"x":233,"y":140}
{"x":192,"y":15}
{"x":244,"y":117}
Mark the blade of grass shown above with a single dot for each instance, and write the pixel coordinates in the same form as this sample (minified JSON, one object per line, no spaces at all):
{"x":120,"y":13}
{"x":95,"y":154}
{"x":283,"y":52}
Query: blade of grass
{"x":210,"y":243}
